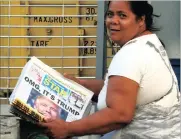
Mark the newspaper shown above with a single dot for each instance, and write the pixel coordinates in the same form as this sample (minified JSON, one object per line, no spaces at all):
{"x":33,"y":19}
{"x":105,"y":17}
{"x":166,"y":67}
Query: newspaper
{"x":41,"y":92}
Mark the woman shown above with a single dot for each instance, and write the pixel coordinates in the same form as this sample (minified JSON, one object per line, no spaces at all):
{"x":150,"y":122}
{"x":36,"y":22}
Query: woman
{"x":139,"y":97}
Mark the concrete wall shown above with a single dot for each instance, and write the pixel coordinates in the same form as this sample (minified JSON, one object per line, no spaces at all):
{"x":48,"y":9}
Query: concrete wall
{"x":170,"y":23}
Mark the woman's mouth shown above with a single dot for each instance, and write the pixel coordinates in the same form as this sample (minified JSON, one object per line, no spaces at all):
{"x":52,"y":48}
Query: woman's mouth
{"x":114,"y":30}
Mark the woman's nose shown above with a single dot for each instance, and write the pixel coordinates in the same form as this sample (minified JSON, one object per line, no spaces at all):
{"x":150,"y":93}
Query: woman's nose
{"x":115,"y":20}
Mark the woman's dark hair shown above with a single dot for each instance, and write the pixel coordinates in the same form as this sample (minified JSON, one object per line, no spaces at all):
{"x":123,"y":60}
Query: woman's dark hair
{"x":143,"y":8}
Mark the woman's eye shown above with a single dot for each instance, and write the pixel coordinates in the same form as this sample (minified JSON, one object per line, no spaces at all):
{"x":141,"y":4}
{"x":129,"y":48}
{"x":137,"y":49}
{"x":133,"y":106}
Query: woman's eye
{"x":109,"y":14}
{"x":122,"y":15}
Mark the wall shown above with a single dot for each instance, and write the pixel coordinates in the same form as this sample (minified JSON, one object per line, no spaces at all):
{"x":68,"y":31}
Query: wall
{"x":170,"y":23}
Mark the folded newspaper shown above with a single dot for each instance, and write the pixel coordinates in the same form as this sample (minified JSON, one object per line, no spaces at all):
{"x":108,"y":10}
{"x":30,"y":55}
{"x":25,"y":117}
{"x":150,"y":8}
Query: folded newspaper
{"x":41,"y":92}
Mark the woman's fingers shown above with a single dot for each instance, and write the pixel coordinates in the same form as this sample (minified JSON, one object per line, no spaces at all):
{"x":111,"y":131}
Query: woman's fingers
{"x":71,"y":77}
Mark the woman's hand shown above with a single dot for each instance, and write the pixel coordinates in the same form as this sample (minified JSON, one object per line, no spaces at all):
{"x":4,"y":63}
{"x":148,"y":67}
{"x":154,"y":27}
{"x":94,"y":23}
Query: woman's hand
{"x":72,"y":78}
{"x":92,"y":84}
{"x":58,"y":129}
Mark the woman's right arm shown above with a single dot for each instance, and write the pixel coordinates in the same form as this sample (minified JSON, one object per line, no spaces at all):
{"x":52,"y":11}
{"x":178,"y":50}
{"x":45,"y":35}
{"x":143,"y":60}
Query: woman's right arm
{"x":93,"y":85}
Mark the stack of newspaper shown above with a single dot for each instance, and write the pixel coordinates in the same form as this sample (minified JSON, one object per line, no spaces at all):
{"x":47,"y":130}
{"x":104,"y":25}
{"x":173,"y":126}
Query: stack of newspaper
{"x":41,"y":92}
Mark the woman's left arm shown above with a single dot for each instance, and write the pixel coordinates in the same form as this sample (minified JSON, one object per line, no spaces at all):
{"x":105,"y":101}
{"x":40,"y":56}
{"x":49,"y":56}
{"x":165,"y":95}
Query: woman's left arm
{"x":121,"y":102}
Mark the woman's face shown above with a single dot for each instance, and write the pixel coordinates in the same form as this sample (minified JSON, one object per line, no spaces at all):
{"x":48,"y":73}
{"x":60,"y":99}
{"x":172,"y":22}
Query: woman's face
{"x":122,"y":23}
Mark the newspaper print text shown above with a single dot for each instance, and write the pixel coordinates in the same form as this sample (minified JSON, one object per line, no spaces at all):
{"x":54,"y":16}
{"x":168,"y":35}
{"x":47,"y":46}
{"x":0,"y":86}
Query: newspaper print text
{"x":55,"y":87}
{"x":60,"y":103}
{"x":32,"y":83}
{"x":67,"y":108}
{"x":46,"y":93}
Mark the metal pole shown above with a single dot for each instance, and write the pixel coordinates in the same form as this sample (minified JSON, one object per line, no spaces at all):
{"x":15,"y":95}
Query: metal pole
{"x":101,"y":42}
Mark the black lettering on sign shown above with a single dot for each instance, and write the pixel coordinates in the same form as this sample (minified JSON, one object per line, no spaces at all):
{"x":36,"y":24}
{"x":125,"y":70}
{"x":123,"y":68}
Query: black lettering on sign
{"x":89,"y":43}
{"x":56,"y":20}
{"x":35,"y":19}
{"x":85,"y":43}
{"x":45,"y":19}
{"x":53,"y":19}
{"x":92,"y":50}
{"x":89,"y":18}
{"x":86,"y":51}
{"x":92,"y":43}
{"x":39,"y":43}
{"x":90,"y":10}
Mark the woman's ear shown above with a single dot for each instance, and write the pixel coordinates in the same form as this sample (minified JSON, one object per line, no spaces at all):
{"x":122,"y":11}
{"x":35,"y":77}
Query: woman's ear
{"x":141,"y":21}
